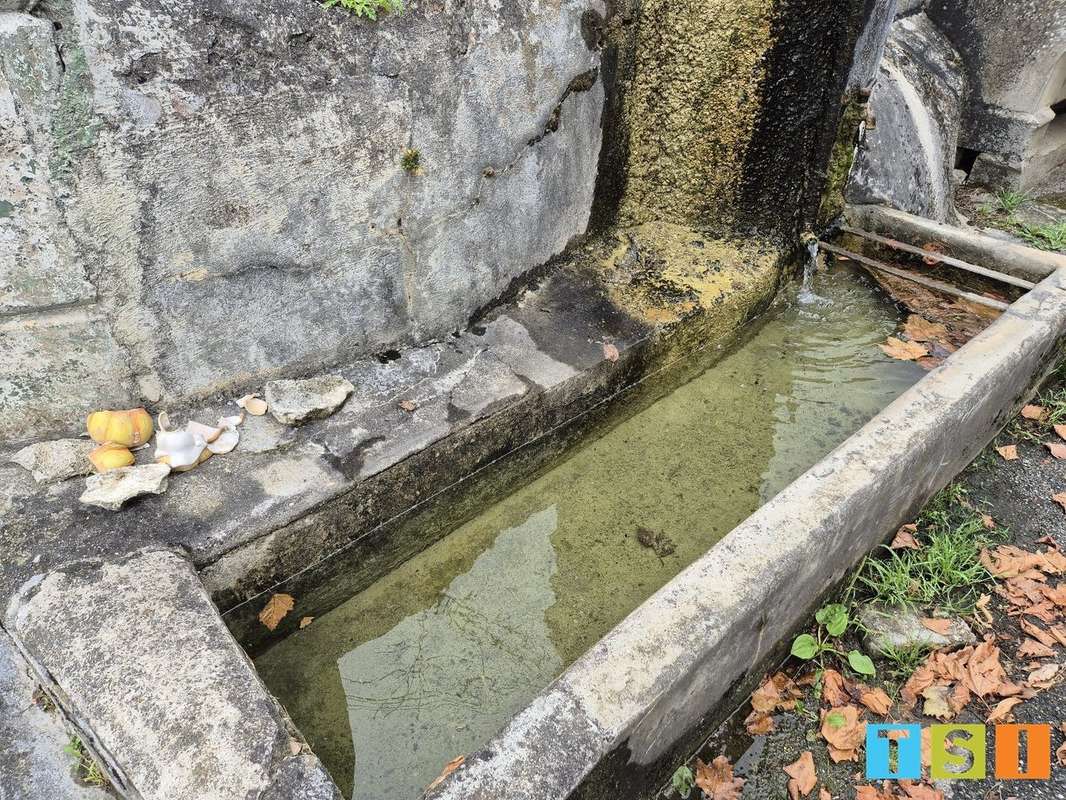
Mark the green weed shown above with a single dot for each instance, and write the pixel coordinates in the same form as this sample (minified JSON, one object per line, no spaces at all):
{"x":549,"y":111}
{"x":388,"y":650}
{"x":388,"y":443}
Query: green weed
{"x":946,"y":572}
{"x":1010,"y":201}
{"x":903,"y":661}
{"x":411,"y":161}
{"x":85,"y":767}
{"x":367,"y":8}
{"x":1050,"y":236}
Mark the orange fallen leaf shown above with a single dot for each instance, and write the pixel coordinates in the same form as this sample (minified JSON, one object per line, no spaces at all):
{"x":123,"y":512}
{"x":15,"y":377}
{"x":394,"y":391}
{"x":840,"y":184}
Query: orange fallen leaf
{"x":1060,"y":753}
{"x":919,"y":329}
{"x":1033,"y":412}
{"x":844,"y":732}
{"x":933,"y":248}
{"x":759,"y":723}
{"x":1031,"y":648}
{"x":1043,"y":677}
{"x":1060,"y":498}
{"x":1008,"y":451}
{"x":904,"y":351}
{"x":610,"y":352}
{"x":905,"y":538}
{"x":833,"y":688}
{"x":449,"y":768}
{"x":877,"y":701}
{"x":937,"y":702}
{"x":1057,"y":449}
{"x":873,"y":793}
{"x":275,"y":610}
{"x":1038,"y":633}
{"x":802,"y":778}
{"x":1003,"y":709}
{"x":717,"y":781}
{"x":823,"y":793}
{"x":920,"y":791}
{"x":941,"y":626}
{"x":988,"y":522}
{"x":305,"y":622}
{"x":1060,"y":430}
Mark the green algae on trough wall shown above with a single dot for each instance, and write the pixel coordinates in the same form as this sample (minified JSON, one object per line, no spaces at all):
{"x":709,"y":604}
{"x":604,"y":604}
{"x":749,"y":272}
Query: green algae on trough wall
{"x":692,"y":107}
{"x":832,"y":203}
{"x":429,"y":662}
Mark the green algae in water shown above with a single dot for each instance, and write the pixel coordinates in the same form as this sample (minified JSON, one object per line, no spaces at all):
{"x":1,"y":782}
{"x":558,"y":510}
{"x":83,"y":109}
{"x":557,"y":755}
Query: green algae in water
{"x":430,"y":661}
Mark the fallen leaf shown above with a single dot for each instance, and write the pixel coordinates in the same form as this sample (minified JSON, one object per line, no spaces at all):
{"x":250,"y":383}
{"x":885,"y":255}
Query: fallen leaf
{"x":408,"y":405}
{"x":1031,"y":648}
{"x":981,"y":607}
{"x":1057,"y":449}
{"x":823,"y":793}
{"x":844,"y":732}
{"x":449,"y":768}
{"x":988,"y":522}
{"x":275,"y":610}
{"x":872,"y":793}
{"x":933,"y":248}
{"x":717,"y":781}
{"x":610,"y":352}
{"x":1033,"y":412}
{"x":833,"y":688}
{"x":1038,"y":633}
{"x":877,"y":701}
{"x":905,"y":538}
{"x":1008,"y":451}
{"x":1060,"y":498}
{"x":1060,"y":753}
{"x":1043,"y":677}
{"x":941,"y":626}
{"x":253,"y":405}
{"x":802,"y":776}
{"x":1060,"y":430}
{"x":759,"y":723}
{"x":305,"y":622}
{"x":1003,"y":709}
{"x":777,"y":693}
{"x":904,"y":351}
{"x":1049,"y":541}
{"x":936,"y":702}
{"x":920,"y":791}
{"x":919,"y":329}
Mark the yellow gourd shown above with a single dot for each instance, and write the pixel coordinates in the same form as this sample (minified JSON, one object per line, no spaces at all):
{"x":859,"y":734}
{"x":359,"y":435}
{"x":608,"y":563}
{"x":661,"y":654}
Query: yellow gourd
{"x":111,"y":456}
{"x":130,"y":428}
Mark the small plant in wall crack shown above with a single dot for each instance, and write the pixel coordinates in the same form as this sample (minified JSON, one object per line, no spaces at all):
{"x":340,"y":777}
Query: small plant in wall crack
{"x":367,"y":8}
{"x":411,"y":161}
{"x":683,"y":781}
{"x":832,"y":622}
{"x":86,"y":769}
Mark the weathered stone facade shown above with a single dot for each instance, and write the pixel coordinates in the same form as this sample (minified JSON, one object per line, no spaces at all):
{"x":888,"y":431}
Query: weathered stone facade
{"x":217,"y":186}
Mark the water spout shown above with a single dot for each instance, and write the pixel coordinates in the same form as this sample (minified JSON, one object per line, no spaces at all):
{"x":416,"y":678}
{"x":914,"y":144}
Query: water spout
{"x":806,"y":293}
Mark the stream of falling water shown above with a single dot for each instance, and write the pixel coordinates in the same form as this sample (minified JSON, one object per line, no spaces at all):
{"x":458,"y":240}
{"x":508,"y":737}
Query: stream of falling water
{"x":431,"y":660}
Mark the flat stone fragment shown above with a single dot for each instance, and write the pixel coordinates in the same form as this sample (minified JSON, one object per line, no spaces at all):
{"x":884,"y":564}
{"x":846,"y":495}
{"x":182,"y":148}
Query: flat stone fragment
{"x":138,"y":655}
{"x":113,"y":488}
{"x":56,"y":460}
{"x":902,"y":628}
{"x":296,"y":402}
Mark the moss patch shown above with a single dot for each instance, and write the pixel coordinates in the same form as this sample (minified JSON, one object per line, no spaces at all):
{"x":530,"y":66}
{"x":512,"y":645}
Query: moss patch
{"x":832,"y":204}
{"x":692,"y":107}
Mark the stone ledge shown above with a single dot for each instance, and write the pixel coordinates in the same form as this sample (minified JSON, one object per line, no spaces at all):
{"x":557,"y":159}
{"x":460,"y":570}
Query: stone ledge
{"x":136,"y":655}
{"x":651,"y":681}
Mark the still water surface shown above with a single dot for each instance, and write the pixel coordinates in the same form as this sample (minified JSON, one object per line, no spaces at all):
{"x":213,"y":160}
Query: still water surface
{"x":430,"y":661}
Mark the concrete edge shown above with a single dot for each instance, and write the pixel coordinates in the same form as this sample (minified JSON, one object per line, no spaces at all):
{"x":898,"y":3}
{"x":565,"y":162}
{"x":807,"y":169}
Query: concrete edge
{"x":663,"y":669}
{"x":966,"y":243}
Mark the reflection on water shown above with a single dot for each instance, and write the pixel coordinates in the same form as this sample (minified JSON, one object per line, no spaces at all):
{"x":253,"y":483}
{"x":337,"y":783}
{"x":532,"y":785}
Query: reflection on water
{"x":457,"y":670}
{"x":432,"y":659}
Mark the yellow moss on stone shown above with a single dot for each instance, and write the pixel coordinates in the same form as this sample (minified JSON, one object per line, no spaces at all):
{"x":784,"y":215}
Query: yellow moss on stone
{"x":692,"y":107}
{"x":663,"y":274}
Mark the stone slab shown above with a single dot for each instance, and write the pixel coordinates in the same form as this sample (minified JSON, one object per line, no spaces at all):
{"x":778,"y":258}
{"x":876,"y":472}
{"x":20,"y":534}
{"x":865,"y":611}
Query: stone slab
{"x":138,"y":658}
{"x":32,"y":762}
{"x":902,"y":628}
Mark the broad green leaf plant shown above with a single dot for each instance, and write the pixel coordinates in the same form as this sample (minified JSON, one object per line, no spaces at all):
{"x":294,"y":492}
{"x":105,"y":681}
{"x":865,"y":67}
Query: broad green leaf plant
{"x":832,"y":622}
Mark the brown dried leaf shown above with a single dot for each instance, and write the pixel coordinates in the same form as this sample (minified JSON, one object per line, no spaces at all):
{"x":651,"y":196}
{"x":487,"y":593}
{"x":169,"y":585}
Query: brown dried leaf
{"x":1060,"y":430}
{"x":1033,"y":412}
{"x":941,"y":626}
{"x":610,"y":352}
{"x":823,"y":793}
{"x":905,"y":538}
{"x":877,"y":701}
{"x":873,"y":793}
{"x":305,"y":622}
{"x":919,"y":329}
{"x":1043,"y":677}
{"x":936,"y":702}
{"x":1038,"y":633}
{"x":904,"y":351}
{"x":1008,"y":451}
{"x":1057,"y":449}
{"x":759,"y":723}
{"x":449,"y":768}
{"x":844,"y":731}
{"x":1060,"y":753}
{"x":933,"y":248}
{"x":1060,"y":498}
{"x":920,"y":791}
{"x":1031,"y":648}
{"x":1002,"y":711}
{"x":802,"y":775}
{"x":717,"y":781}
{"x":988,"y":522}
{"x":833,"y":689}
{"x":408,"y":405}
{"x":275,"y":610}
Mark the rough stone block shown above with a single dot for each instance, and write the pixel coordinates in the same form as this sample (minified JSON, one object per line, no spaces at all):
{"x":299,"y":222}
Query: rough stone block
{"x":56,"y":369}
{"x":908,"y":156}
{"x":902,"y":628}
{"x":165,"y":697}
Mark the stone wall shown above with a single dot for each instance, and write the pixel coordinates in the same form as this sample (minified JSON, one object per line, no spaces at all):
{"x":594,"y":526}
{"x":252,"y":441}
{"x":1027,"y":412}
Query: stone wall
{"x":199,"y":195}
{"x":967,"y":83}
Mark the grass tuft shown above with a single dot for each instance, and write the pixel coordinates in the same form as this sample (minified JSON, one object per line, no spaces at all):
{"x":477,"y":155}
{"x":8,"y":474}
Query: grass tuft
{"x":367,"y":8}
{"x":85,"y":767}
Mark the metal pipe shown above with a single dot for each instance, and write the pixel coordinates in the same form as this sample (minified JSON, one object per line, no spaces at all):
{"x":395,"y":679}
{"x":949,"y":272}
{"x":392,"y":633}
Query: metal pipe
{"x":929,"y":283}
